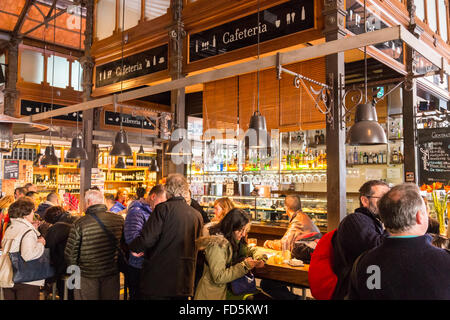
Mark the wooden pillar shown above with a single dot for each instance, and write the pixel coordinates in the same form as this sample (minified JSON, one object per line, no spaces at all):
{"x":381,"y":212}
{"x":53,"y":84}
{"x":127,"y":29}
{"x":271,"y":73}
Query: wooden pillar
{"x":89,"y":115}
{"x":178,"y":96}
{"x":334,"y":13}
{"x":10,"y":91}
{"x":409,"y":105}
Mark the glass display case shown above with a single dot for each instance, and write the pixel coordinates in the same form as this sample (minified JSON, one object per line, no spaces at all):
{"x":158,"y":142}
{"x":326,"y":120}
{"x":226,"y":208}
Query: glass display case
{"x":271,"y":210}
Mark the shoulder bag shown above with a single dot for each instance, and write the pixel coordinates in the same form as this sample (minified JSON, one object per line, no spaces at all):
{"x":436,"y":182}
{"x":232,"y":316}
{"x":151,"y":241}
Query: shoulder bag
{"x":6,"y":270}
{"x":122,"y":260}
{"x":33,"y":270}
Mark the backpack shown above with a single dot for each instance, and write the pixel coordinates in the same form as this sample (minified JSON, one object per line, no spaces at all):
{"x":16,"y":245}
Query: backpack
{"x":321,"y":277}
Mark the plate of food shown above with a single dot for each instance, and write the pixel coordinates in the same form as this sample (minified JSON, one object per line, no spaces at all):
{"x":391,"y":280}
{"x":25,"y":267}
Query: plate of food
{"x":295,"y":263}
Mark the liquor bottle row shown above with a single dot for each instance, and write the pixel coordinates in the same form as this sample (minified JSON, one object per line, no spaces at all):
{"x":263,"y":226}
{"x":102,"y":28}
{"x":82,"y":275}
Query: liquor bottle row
{"x":144,"y":161}
{"x":304,"y":160}
{"x":125,"y":176}
{"x":365,"y":157}
{"x":141,"y":161}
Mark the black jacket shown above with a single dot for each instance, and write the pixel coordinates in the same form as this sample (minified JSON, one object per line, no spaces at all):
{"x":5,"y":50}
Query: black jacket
{"x":56,"y":239}
{"x":357,"y":232}
{"x":198,"y":207}
{"x":90,"y":248}
{"x":403,"y":269}
{"x":168,"y":240}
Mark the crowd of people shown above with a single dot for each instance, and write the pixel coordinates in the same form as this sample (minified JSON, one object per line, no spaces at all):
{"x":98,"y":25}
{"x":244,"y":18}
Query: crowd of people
{"x":167,"y":248}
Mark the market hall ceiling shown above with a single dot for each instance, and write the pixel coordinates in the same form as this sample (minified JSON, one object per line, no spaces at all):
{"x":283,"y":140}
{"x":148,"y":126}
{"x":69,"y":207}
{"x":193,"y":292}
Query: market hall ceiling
{"x":26,"y":19}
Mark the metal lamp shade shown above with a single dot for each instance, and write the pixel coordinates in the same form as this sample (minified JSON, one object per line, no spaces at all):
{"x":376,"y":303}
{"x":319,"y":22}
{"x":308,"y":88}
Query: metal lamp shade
{"x":141,"y":149}
{"x":10,"y":126}
{"x":366,"y":129}
{"x":121,"y":146}
{"x":49,"y":158}
{"x":258,"y":124}
{"x":154,"y":165}
{"x":120,"y":164}
{"x":77,"y":150}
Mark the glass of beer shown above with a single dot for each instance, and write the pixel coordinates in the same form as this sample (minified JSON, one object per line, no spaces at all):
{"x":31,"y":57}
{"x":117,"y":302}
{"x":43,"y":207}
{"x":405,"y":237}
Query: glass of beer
{"x":286,"y":252}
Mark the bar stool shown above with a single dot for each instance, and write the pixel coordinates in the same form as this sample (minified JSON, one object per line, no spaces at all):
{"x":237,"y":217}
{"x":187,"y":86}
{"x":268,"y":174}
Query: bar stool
{"x":66,"y":290}
{"x":299,"y":287}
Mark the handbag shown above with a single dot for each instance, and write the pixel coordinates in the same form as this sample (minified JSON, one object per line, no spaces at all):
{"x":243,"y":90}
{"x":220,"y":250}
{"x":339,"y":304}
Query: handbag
{"x":243,"y":285}
{"x":122,"y":260}
{"x":6,"y":270}
{"x":28,"y":271}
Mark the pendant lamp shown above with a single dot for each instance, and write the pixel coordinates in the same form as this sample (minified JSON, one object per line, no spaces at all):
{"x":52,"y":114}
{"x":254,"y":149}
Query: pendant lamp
{"x":49,"y":158}
{"x":366,"y":130}
{"x":77,"y":150}
{"x":121,"y":146}
{"x":178,"y":147}
{"x":120,"y":164}
{"x":154,"y":165}
{"x":141,"y":149}
{"x":257,"y":121}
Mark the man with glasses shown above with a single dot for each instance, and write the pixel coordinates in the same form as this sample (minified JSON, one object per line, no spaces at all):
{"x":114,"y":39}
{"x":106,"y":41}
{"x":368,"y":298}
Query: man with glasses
{"x":358,"y":232}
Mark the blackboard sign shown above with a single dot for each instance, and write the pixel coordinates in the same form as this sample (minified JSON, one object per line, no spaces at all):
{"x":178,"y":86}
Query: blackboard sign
{"x":128,"y":120}
{"x":287,"y":18}
{"x":134,"y":66}
{"x":28,"y":108}
{"x":11,"y":169}
{"x":434,"y":155}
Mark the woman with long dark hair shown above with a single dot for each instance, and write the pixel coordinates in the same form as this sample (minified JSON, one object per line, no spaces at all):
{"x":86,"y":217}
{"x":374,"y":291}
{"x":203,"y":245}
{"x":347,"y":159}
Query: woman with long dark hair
{"x":227,"y":256}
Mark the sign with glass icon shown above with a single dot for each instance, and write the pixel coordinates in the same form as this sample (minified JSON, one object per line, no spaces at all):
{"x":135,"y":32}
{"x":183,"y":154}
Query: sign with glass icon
{"x":287,"y":18}
{"x":137,"y":65}
{"x":28,"y":108}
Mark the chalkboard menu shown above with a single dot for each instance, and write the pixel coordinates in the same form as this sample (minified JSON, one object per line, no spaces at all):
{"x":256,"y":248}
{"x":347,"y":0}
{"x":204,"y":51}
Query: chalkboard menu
{"x":28,"y":108}
{"x":134,"y":66}
{"x":128,"y":120}
{"x":11,"y":169}
{"x":434,"y":155}
{"x":287,"y":18}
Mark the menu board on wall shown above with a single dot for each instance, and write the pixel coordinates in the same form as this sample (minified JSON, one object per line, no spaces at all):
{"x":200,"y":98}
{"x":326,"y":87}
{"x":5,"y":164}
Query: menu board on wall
{"x":287,"y":18}
{"x":434,"y":155}
{"x":11,"y":169}
{"x":140,"y":64}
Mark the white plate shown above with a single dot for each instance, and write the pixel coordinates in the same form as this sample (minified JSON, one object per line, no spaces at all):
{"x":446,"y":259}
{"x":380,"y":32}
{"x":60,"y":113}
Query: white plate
{"x":295,"y":263}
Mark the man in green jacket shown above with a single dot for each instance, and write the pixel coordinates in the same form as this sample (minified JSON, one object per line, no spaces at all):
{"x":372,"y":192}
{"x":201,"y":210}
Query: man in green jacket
{"x":91,"y":249}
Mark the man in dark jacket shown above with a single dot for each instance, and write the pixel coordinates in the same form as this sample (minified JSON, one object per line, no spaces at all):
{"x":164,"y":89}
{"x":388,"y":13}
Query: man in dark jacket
{"x":92,"y":249}
{"x":168,"y":241}
{"x":51,"y":200}
{"x":358,"y":232}
{"x":60,"y":222}
{"x":138,"y":213}
{"x":406,"y":265}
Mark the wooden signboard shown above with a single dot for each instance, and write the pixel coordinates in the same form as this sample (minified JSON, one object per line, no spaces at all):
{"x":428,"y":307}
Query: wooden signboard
{"x":137,"y":65}
{"x":285,"y":19}
{"x":434,"y":155}
{"x":29,"y":107}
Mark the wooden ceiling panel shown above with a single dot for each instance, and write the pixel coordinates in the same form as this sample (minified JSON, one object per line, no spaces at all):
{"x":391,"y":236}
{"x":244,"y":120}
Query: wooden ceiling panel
{"x":8,"y":21}
{"x":12,"y":6}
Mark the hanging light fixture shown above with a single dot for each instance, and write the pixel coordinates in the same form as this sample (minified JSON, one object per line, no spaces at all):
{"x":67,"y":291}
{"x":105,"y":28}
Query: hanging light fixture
{"x":120,"y":163}
{"x":366,"y":130}
{"x":121,"y":146}
{"x":154,"y":165}
{"x":50,"y":157}
{"x":258,"y":121}
{"x":141,"y":148}
{"x":179,"y":147}
{"x":77,"y":150}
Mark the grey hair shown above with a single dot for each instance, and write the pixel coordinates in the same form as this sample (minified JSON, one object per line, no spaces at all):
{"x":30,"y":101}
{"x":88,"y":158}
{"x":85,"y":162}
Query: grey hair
{"x":398,"y":207}
{"x":92,"y":197}
{"x":177,"y":186}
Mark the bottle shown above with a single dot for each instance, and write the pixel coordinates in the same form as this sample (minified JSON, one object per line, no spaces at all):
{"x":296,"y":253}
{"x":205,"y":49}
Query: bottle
{"x":284,"y":161}
{"x":297,"y":160}
{"x":400,"y":155}
{"x":355,"y":156}
{"x":292,"y":160}
{"x":316,"y":160}
{"x":288,"y":161}
{"x":375,"y":158}
{"x":365,"y":158}
{"x":317,"y":138}
{"x":361,"y":158}
{"x":370,"y":159}
{"x":322,"y":138}
{"x":380,"y":157}
{"x":350,"y":158}
{"x":394,"y":157}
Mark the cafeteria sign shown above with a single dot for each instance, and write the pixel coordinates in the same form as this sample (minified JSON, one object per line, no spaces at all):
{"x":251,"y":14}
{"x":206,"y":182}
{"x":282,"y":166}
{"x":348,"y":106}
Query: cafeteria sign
{"x":287,"y":18}
{"x":134,"y":66}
